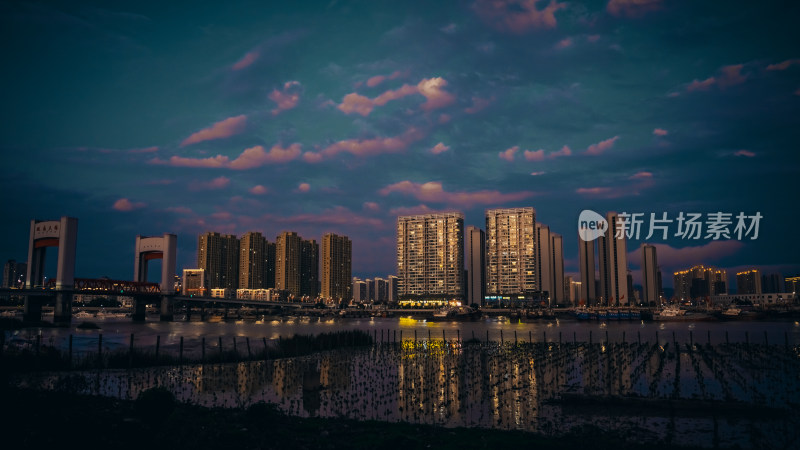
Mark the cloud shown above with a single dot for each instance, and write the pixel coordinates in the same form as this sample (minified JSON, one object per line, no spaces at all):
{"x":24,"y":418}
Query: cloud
{"x":222,"y":129}
{"x":727,"y":76}
{"x":433,"y":192}
{"x":518,"y":16}
{"x":479,"y":104}
{"x":371,"y":206}
{"x":784,"y":65}
{"x":536,"y":174}
{"x":250,"y":158}
{"x":378,"y":79}
{"x":258,"y":190}
{"x":366,"y":147}
{"x":565,"y":151}
{"x":410,"y":210}
{"x":304,"y":187}
{"x":430,"y":88}
{"x":537,"y":155}
{"x":660,"y":132}
{"x":444,"y":118}
{"x":286,"y":98}
{"x":632,"y":8}
{"x":248,"y":59}
{"x":338,"y":215}
{"x":216,"y":183}
{"x":593,"y":190}
{"x":126,"y":205}
{"x":602,"y":146}
{"x":640,"y":176}
{"x":508,"y":154}
{"x":564,"y":43}
{"x":256,"y":156}
{"x":152,"y":149}
{"x":439,"y":148}
{"x":672,"y":259}
{"x":746,"y":153}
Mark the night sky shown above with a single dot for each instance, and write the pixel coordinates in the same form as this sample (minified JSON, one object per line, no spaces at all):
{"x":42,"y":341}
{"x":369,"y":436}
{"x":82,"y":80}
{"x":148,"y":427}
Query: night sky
{"x":337,"y":116}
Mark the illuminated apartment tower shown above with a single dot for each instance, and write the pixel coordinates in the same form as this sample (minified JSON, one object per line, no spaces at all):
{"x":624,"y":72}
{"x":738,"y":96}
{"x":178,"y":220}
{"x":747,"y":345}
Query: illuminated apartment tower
{"x":650,"y":285}
{"x":475,"y":243}
{"x":309,"y":269}
{"x":337,"y":264}
{"x":287,"y":262}
{"x":510,"y":251}
{"x":586,"y":257}
{"x":252,"y":261}
{"x":557,"y":268}
{"x":699,"y":282}
{"x":544,"y":259}
{"x":613,"y":265}
{"x":218,"y":255}
{"x":430,"y":256}
{"x":748,"y":282}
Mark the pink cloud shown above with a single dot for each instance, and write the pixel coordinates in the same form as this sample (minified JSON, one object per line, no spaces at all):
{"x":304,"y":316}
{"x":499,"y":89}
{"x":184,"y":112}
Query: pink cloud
{"x":378,"y":79}
{"x":256,"y":156}
{"x":745,"y":153}
{"x":366,"y":147}
{"x":304,"y":187}
{"x":258,"y":190}
{"x":439,"y":148}
{"x":672,"y":258}
{"x":222,"y":129}
{"x":537,"y":155}
{"x":248,"y":59}
{"x":433,"y":191}
{"x":602,"y":146}
{"x":144,"y":150}
{"x":564,"y":43}
{"x":593,"y":190}
{"x":660,"y":132}
{"x":286,"y":98}
{"x":216,"y":183}
{"x":632,"y":8}
{"x":784,"y":65}
{"x":337,"y":215}
{"x":640,"y":176}
{"x":126,"y":205}
{"x":536,"y":174}
{"x":565,"y":151}
{"x":250,"y":158}
{"x":728,"y":76}
{"x":410,"y":210}
{"x":444,"y":118}
{"x":593,"y":38}
{"x":508,"y":154}
{"x":371,"y":206}
{"x":479,"y":104}
{"x":430,"y":88}
{"x":518,"y":16}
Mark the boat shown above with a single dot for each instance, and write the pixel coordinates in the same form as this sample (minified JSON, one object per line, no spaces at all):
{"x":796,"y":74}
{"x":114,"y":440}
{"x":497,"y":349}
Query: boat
{"x":674,"y":313}
{"x":732,"y":312}
{"x":83,"y":315}
{"x":455,"y":313}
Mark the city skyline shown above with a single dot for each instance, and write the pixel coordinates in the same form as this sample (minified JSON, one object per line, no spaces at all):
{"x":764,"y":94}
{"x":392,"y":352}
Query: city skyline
{"x":139,"y":120}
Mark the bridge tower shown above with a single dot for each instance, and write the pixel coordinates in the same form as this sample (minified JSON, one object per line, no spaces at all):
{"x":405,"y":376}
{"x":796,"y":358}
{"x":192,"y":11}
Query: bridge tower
{"x":63,"y":234}
{"x":154,"y":247}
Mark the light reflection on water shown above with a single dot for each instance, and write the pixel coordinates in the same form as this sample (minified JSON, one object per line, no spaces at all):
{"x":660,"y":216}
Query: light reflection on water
{"x":493,"y":386}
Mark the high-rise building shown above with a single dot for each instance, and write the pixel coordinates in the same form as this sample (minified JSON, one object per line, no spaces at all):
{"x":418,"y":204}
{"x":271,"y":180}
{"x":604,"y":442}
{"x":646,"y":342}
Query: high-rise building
{"x":748,"y":282}
{"x":337,"y":266}
{"x":510,"y":251}
{"x":792,"y":285}
{"x":252,"y":261}
{"x":393,"y":288}
{"x":269,"y":264}
{"x":772,"y":283}
{"x":475,"y":245}
{"x":14,"y":274}
{"x":218,"y":255}
{"x":613,"y":261}
{"x":287,"y":262}
{"x":650,"y":288}
{"x":586,"y":260}
{"x":557,"y":268}
{"x":194,"y":282}
{"x":309,"y":269}
{"x":574,"y":288}
{"x":430,"y":256}
{"x":699,"y":282}
{"x":381,"y":290}
{"x":359,"y":291}
{"x":544,"y":260}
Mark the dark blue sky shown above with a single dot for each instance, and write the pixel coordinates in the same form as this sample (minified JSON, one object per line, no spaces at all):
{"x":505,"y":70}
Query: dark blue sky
{"x":145,"y":118}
